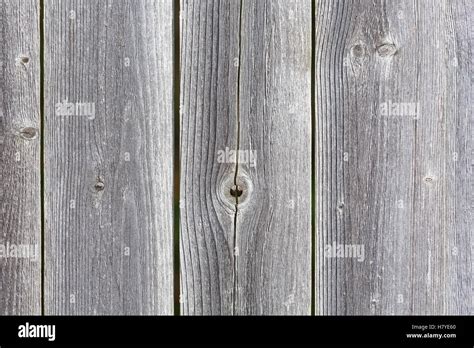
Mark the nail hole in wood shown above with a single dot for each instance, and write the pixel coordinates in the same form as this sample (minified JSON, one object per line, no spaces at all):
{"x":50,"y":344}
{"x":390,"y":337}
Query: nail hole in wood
{"x":428,"y":179}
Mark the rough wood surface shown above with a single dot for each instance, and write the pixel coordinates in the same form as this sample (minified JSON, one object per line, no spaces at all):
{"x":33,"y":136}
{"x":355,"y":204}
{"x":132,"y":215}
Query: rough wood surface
{"x":20,"y":209}
{"x":209,"y":87}
{"x":274,"y":217}
{"x":387,"y":84}
{"x":399,"y":183}
{"x":109,"y":184}
{"x":249,"y":254}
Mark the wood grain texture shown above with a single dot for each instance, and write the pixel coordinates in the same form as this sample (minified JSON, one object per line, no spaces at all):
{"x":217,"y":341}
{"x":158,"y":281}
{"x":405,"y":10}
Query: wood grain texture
{"x":395,"y":183}
{"x":20,"y":209}
{"x":249,"y":254}
{"x":209,"y":89}
{"x":274,"y":217}
{"x":108,"y":173}
{"x":393,"y":152}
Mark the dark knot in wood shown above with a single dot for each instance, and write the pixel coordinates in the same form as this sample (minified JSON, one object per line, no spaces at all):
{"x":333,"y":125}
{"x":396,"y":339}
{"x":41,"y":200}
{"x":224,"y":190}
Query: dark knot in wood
{"x":99,"y":185}
{"x":236,"y":191}
{"x":386,"y":50}
{"x":28,"y":133}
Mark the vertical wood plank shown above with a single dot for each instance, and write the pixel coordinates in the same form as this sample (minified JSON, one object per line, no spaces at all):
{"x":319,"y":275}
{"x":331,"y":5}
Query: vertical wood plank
{"x":394,"y":156}
{"x":460,"y":165}
{"x":273,"y":226}
{"x":109,"y":162}
{"x":20,"y":207}
{"x":209,"y":89}
{"x":249,"y":254}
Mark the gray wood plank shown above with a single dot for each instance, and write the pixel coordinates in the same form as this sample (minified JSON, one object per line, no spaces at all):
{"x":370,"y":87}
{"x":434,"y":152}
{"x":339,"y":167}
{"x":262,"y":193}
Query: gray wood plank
{"x":109,"y":167}
{"x":395,"y":183}
{"x":20,"y":207}
{"x":460,"y":262}
{"x":274,"y":217}
{"x":209,"y":47}
{"x":249,"y":254}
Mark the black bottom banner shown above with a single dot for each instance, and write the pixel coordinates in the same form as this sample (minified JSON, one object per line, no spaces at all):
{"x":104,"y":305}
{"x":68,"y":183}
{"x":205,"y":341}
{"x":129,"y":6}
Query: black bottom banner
{"x":146,"y":330}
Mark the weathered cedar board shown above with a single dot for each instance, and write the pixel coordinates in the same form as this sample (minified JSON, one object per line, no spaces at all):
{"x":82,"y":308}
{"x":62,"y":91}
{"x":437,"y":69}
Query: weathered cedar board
{"x":109,"y":173}
{"x":246,"y":84}
{"x":20,"y":207}
{"x":274,"y":221}
{"x":398,"y":184}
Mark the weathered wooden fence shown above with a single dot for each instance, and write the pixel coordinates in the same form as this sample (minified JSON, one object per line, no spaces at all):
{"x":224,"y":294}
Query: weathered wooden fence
{"x":236,"y":157}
